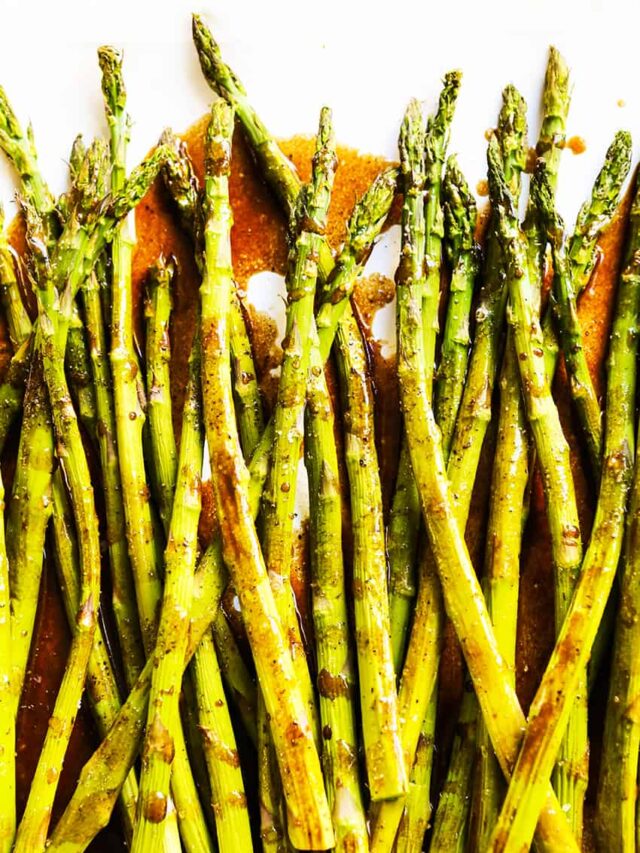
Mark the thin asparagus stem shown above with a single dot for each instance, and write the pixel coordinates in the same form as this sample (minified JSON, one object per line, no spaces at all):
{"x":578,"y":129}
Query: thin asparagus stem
{"x":122,"y":588}
{"x":229,"y":800}
{"x":279,"y":495}
{"x":19,"y":147}
{"x":144,"y":550}
{"x":17,"y":317}
{"x":581,"y":385}
{"x":309,"y":818}
{"x":79,"y":373}
{"x":273,"y":830}
{"x":51,"y":342}
{"x":386,"y":777}
{"x":451,"y":821}
{"x":218,"y":742}
{"x":101,"y":680}
{"x":615,"y":820}
{"x":415,"y":692}
{"x":509,"y":481}
{"x":164,"y":455}
{"x":512,"y":132}
{"x":182,"y":184}
{"x":404,"y":520}
{"x":180,"y":561}
{"x":130,"y":416}
{"x":27,"y":519}
{"x":7,"y":717}
{"x":462,"y":594}
{"x":564,"y":676}
{"x":462,"y":252}
{"x":335,"y":660}
{"x":102,"y":776}
{"x":239,"y":681}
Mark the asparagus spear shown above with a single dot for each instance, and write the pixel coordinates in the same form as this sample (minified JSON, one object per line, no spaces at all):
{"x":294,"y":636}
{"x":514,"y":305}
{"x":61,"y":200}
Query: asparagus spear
{"x":386,"y":775}
{"x":229,"y":800}
{"x":335,"y":661}
{"x":182,"y":184}
{"x":180,"y":559}
{"x":51,"y":341}
{"x":564,"y":676}
{"x":462,"y":252}
{"x":15,"y":312}
{"x":144,"y":550}
{"x":124,"y":366}
{"x":164,"y":463}
{"x":309,"y":819}
{"x":581,"y":385}
{"x":506,"y":518}
{"x":279,"y":495}
{"x":615,"y":819}
{"x":19,"y":147}
{"x":181,"y":181}
{"x":103,"y":775}
{"x":7,"y":718}
{"x":122,"y":589}
{"x":462,"y":594}
{"x":404,"y":521}
{"x":101,"y":680}
{"x":415,"y":691}
{"x":79,"y":373}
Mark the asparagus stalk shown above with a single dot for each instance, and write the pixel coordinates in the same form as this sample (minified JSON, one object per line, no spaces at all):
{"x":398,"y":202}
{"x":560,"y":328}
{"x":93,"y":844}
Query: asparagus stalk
{"x":218,"y":743}
{"x":506,"y":516}
{"x":386,"y":777}
{"x":122,"y":588}
{"x":19,"y":147}
{"x":309,"y":818}
{"x":51,"y":341}
{"x":180,"y":559}
{"x":239,"y":681}
{"x":229,"y":800}
{"x":27,"y":519}
{"x":279,"y":495}
{"x":415,"y":692}
{"x":144,"y":550}
{"x":102,"y":776}
{"x":462,"y":252}
{"x":615,"y":820}
{"x":564,"y":676}
{"x":335,"y":661}
{"x":79,"y":373}
{"x":101,"y":680}
{"x":273,"y":831}
{"x":164,"y":463}
{"x":7,"y":718}
{"x":17,"y":317}
{"x":182,"y":184}
{"x":404,"y":521}
{"x":462,"y":594}
{"x":181,"y":181}
{"x":581,"y":385}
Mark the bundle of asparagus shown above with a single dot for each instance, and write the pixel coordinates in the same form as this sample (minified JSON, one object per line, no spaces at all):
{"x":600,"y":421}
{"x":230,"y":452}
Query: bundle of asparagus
{"x":264,"y":729}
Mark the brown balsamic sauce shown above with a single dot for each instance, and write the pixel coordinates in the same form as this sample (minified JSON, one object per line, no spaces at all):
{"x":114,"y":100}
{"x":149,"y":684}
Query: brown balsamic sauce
{"x":258,"y":242}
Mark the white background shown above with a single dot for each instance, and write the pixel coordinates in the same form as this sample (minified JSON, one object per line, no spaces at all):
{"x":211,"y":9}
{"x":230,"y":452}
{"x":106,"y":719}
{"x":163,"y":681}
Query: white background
{"x":365,"y":59}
